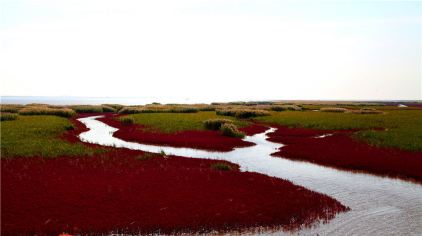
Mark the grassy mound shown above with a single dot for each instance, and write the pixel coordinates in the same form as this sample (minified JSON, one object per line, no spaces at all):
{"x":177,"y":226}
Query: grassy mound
{"x":228,"y":129}
{"x":215,"y":124}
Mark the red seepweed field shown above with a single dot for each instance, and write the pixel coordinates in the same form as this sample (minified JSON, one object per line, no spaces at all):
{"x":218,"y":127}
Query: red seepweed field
{"x":102,"y":190}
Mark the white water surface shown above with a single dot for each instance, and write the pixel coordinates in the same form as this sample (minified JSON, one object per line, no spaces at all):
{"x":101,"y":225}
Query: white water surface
{"x":379,"y":206}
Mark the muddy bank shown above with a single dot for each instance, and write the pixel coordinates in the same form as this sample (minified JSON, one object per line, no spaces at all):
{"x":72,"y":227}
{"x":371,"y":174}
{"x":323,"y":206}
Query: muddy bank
{"x":202,"y":139}
{"x":126,"y":191}
{"x":340,"y":150}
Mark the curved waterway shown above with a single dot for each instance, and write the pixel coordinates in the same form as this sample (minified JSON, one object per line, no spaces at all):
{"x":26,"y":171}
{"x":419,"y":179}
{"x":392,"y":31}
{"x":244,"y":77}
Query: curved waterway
{"x":379,"y":206}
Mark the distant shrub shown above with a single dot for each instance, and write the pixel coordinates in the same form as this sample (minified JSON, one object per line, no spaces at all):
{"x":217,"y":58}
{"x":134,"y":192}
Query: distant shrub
{"x":43,"y":110}
{"x":126,"y":120}
{"x":10,"y":108}
{"x":108,"y":108}
{"x":286,"y":108}
{"x":215,"y":124}
{"x":230,"y":130}
{"x":333,"y":109}
{"x":242,"y":113}
{"x":4,"y":116}
{"x":87,"y":108}
{"x":221,"y":166}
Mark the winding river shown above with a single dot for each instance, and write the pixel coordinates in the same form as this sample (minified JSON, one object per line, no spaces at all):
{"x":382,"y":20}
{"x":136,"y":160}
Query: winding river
{"x":379,"y":206}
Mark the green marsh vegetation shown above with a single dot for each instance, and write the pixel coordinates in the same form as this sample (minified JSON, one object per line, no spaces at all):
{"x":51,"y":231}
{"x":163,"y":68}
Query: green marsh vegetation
{"x":229,"y":129}
{"x":5,"y":116}
{"x":242,"y":113}
{"x":226,"y":127}
{"x":176,"y":122}
{"x":399,"y":128}
{"x":39,"y":136}
{"x":45,"y":110}
{"x":215,"y":124}
{"x":93,"y":108}
{"x":126,"y":120}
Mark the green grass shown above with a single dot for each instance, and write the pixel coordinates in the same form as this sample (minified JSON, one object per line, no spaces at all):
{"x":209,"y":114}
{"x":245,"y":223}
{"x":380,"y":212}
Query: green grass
{"x":175,"y":122}
{"x":126,"y":120}
{"x":5,"y":116}
{"x":39,"y":136}
{"x":404,"y":126}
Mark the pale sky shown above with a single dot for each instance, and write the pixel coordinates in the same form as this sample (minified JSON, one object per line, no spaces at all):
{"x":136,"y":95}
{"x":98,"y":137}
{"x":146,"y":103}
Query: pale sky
{"x":212,"y":50}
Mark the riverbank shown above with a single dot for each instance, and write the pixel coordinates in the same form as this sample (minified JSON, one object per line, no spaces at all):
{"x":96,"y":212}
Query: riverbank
{"x":203,"y":139}
{"x":337,"y":148}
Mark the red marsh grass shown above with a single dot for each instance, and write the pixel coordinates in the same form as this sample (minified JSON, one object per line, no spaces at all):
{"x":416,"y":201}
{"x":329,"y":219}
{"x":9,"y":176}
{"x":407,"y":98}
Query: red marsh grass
{"x":342,"y":151}
{"x":118,"y":192}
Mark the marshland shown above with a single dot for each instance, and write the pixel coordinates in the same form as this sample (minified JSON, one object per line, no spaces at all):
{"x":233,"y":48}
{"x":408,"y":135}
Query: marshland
{"x":253,"y":117}
{"x":140,"y":151}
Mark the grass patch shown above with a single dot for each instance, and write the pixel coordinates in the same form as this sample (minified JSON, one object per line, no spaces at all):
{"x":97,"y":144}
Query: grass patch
{"x":334,"y":109}
{"x":108,"y":108}
{"x":404,"y":126}
{"x":116,"y":107}
{"x":10,"y":108}
{"x":286,"y":108}
{"x":39,"y":136}
{"x":229,"y":129}
{"x":126,"y":120}
{"x":87,"y":108}
{"x":176,"y":122}
{"x":44,"y":110}
{"x":242,"y":113}
{"x":155,"y":108}
{"x":215,"y":124}
{"x":221,"y":166}
{"x":5,"y":116}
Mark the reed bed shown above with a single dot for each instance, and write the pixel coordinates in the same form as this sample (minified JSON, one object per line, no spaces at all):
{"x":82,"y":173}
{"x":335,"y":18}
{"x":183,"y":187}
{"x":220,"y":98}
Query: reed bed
{"x":158,"y":109}
{"x":11,"y":108}
{"x":215,"y":124}
{"x":44,"y":110}
{"x":334,"y":109}
{"x":242,"y":113}
{"x":366,"y":111}
{"x":87,"y":108}
{"x":229,"y":129}
{"x":286,"y":108}
{"x":117,"y":107}
{"x":5,"y":116}
{"x":126,"y":120}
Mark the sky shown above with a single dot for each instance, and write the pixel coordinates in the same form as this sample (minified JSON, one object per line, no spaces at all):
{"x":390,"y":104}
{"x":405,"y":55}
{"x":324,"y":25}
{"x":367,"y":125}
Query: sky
{"x":219,"y":50}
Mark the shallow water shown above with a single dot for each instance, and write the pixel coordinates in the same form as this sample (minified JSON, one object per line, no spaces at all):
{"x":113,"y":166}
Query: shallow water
{"x":380,"y":206}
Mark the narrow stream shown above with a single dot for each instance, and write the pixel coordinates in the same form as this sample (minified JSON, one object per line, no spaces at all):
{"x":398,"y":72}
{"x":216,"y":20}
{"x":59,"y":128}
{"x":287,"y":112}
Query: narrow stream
{"x":380,"y":206}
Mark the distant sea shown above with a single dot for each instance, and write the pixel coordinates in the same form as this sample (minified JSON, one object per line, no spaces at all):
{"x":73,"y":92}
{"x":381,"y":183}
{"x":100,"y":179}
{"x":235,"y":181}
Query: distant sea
{"x":64,"y":100}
